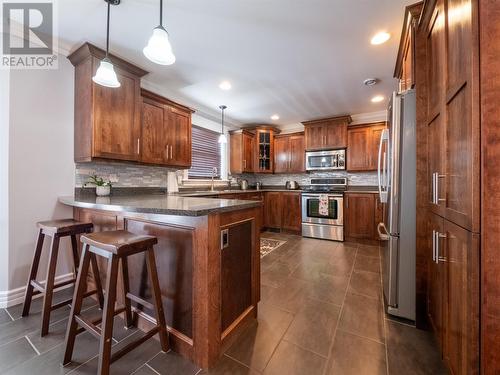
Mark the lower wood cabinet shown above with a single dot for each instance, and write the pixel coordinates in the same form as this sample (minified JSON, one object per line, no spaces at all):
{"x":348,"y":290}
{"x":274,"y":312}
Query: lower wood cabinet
{"x":236,"y":273}
{"x":362,"y":213}
{"x":282,"y":210}
{"x":453,"y":294}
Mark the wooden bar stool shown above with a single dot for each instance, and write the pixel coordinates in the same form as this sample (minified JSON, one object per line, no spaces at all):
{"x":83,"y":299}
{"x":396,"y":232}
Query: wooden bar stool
{"x":56,"y":229}
{"x":115,"y":246}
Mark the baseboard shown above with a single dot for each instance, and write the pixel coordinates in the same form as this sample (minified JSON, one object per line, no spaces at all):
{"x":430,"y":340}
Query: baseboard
{"x":16,"y":296}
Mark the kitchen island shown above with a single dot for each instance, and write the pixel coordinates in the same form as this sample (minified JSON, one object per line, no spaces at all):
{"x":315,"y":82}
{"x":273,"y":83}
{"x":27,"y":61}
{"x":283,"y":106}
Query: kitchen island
{"x":207,"y":257}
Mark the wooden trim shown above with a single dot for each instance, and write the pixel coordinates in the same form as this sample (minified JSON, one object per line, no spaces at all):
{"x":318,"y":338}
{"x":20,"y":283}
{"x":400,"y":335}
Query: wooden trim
{"x":289,"y":134}
{"x":336,"y":119}
{"x":412,"y":12}
{"x":87,"y":49}
{"x":161,"y":99}
{"x":367,"y":125}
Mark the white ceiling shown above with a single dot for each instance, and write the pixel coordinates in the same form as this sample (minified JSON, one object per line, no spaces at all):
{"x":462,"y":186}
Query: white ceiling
{"x":301,"y":59}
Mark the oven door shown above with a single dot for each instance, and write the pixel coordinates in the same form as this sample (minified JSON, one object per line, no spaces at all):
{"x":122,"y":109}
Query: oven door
{"x":310,"y":210}
{"x":325,"y":160}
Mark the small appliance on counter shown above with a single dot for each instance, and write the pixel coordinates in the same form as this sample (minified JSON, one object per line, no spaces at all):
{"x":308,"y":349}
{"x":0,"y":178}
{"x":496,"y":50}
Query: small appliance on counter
{"x":291,"y":185}
{"x":258,"y":185}
{"x":243,"y":184}
{"x":323,"y":208}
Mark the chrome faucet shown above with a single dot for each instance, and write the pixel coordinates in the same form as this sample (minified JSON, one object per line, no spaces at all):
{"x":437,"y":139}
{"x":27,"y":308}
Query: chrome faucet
{"x":214,"y":173}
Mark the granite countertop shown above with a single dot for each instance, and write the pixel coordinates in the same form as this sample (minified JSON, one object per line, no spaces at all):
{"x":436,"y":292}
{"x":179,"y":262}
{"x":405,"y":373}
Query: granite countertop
{"x":235,"y":191}
{"x":160,"y":204}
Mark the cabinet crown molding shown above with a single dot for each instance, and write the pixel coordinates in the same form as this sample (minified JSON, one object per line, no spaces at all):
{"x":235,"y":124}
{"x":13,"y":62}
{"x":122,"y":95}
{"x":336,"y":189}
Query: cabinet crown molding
{"x":87,"y":50}
{"x":333,"y":120}
{"x":161,"y":99}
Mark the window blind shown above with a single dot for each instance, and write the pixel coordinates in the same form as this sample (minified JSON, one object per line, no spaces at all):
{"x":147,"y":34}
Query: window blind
{"x":206,"y":153}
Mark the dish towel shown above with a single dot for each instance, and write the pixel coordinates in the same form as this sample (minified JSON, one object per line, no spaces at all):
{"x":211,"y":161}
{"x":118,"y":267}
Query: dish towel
{"x":323,"y":205}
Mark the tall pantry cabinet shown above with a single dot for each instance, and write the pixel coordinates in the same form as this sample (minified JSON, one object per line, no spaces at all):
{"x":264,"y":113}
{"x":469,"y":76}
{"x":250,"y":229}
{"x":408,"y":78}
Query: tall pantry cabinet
{"x":439,"y":57}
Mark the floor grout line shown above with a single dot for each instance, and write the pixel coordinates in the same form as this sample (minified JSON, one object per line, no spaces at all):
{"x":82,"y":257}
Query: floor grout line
{"x":32,"y":345}
{"x":238,"y":361}
{"x":151,"y":368}
{"x":330,"y":349}
{"x":10,"y":316}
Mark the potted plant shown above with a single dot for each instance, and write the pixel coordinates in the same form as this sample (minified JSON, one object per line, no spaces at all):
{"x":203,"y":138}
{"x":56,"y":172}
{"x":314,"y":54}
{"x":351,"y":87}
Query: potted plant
{"x":102,"y":186}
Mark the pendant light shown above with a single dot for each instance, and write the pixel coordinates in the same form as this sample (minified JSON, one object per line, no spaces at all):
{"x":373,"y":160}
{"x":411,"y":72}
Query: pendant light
{"x":222,"y":136}
{"x":159,"y":49}
{"x":105,"y":74}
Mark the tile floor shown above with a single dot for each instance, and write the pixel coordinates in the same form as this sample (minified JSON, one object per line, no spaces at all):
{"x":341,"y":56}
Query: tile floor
{"x":321,"y":313}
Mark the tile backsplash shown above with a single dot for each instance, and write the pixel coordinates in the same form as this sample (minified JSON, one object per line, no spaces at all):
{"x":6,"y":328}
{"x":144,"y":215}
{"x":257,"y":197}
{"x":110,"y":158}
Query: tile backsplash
{"x":130,"y":175}
{"x":357,"y":179}
{"x":123,"y":175}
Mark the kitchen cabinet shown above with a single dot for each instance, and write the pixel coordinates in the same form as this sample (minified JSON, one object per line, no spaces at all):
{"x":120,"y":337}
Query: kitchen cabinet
{"x":362,"y":213}
{"x":236,"y":273}
{"x":453,"y":297}
{"x":282,"y":210}
{"x":126,"y":123}
{"x":326,"y":134}
{"x":107,"y":120}
{"x":406,"y":61}
{"x":264,"y":149}
{"x":289,"y":153}
{"x":436,"y":282}
{"x":242,"y":152}
{"x":273,"y":208}
{"x":362,"y":146}
{"x":166,"y":132}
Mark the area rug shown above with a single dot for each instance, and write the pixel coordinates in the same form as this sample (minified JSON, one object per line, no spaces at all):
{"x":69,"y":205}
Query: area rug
{"x":268,"y":245}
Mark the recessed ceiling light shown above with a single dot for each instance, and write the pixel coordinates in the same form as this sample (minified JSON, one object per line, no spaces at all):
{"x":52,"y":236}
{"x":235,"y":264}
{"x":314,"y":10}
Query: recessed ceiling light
{"x":378,"y":99}
{"x":370,"y":81}
{"x":380,"y":38}
{"x":275,"y":117}
{"x":225,"y":85}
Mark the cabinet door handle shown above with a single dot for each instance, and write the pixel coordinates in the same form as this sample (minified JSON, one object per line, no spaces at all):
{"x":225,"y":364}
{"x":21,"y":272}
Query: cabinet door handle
{"x":435,"y":188}
{"x":433,"y":245}
{"x":138,"y":146}
{"x":437,"y":237}
{"x":171,"y":152}
{"x":244,"y":164}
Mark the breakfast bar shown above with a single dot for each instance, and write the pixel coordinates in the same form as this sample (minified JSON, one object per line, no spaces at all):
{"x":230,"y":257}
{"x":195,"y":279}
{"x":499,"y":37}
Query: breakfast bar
{"x":207,"y":258}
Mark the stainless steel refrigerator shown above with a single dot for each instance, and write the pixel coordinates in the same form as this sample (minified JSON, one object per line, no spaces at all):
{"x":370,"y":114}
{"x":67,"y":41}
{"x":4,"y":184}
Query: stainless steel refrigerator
{"x":397,"y":189}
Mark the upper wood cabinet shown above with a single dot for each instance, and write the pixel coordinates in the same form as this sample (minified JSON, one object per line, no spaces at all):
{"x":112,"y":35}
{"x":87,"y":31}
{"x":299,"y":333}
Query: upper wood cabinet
{"x":126,"y":123}
{"x":264,"y":148}
{"x":166,"y":132}
{"x":289,"y":153}
{"x":405,"y":64}
{"x":242,"y":154}
{"x":325,"y":134}
{"x":362,"y":146}
{"x":107,"y":120}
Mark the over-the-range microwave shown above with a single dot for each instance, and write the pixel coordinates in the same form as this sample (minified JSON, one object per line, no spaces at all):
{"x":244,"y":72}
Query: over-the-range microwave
{"x":325,"y":160}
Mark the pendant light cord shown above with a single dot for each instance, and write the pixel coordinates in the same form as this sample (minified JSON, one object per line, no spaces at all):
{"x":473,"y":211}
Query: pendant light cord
{"x":161,"y":13}
{"x":107,"y":29}
{"x":222,"y":127}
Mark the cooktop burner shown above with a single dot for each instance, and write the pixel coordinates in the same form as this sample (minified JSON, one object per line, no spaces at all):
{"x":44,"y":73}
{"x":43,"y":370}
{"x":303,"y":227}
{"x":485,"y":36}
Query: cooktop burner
{"x":327,"y":185}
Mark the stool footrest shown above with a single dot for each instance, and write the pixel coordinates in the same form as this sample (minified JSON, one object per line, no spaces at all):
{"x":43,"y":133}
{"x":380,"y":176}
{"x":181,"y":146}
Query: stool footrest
{"x":39,"y":288}
{"x":134,"y":344}
{"x":140,"y":301}
{"x":61,"y":304}
{"x":95,"y":321}
{"x":89,"y":326}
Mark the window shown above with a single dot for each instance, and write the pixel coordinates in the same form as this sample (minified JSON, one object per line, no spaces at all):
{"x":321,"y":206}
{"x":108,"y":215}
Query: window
{"x":206,"y":153}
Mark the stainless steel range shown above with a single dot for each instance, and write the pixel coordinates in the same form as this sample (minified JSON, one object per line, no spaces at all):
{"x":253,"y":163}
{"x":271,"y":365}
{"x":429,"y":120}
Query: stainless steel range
{"x":325,"y":224}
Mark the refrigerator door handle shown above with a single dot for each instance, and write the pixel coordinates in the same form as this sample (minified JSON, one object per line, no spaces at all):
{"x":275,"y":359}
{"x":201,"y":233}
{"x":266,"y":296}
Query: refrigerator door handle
{"x":384,"y":236}
{"x":381,"y":171}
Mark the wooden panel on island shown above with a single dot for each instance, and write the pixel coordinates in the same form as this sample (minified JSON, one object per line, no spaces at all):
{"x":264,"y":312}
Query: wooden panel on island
{"x":209,"y":293}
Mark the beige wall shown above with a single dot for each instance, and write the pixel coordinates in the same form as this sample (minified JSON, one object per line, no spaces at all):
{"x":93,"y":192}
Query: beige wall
{"x":41,"y":164}
{"x":4,"y":178}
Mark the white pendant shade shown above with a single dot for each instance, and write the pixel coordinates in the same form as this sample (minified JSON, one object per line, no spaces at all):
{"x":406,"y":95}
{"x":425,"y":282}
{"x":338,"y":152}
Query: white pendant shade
{"x":159,"y":49}
{"x":222,"y":138}
{"x":106,"y":75}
